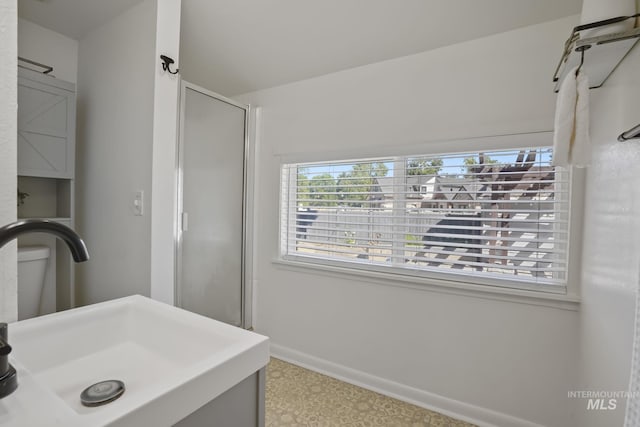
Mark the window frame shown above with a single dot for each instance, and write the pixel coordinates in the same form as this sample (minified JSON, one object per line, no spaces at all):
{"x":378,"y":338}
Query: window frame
{"x":429,"y":279}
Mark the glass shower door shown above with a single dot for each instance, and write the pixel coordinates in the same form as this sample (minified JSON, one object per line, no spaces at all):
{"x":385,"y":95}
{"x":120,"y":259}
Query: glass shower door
{"x":212,"y":191}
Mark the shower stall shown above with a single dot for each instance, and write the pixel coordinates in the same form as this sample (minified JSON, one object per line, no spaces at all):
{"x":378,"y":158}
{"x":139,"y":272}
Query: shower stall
{"x":211,"y":238}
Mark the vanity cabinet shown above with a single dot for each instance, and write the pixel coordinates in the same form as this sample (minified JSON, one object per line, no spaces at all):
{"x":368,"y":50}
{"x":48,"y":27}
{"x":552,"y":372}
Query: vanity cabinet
{"x":46,"y":172}
{"x":240,"y":406}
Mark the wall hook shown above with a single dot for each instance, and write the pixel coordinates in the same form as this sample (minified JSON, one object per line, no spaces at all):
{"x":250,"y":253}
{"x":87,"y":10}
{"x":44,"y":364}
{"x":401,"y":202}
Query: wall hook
{"x":166,"y":64}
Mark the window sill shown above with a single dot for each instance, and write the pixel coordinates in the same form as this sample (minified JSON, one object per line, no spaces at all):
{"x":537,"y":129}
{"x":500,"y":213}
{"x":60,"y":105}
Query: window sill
{"x":546,"y":299}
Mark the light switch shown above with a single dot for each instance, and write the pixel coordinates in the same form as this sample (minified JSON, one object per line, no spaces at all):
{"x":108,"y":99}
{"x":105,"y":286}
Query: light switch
{"x":138,"y":203}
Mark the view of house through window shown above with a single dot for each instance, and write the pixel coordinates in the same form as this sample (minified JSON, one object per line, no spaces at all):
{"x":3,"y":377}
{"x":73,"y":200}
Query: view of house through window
{"x":497,"y":215}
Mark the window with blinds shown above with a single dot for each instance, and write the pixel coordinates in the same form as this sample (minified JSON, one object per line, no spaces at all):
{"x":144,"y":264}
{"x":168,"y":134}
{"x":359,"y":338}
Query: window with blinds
{"x":497,"y":218}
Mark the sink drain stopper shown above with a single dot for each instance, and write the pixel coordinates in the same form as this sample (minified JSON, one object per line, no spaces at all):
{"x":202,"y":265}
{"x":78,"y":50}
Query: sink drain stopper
{"x":102,"y":393}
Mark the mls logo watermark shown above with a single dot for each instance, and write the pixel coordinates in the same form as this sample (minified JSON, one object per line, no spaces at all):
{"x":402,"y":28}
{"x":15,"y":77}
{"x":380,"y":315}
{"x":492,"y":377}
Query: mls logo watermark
{"x":602,"y":404}
{"x":602,"y":400}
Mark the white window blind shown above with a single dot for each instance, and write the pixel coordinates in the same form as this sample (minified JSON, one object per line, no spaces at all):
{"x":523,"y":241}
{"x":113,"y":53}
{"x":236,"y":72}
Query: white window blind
{"x":496,"y":218}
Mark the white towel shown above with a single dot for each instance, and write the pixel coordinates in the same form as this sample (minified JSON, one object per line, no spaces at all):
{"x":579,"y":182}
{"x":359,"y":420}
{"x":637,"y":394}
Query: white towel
{"x":571,"y":142}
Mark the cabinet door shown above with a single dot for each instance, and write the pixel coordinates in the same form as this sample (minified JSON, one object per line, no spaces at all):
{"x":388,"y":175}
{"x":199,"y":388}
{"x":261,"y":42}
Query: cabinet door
{"x":46,"y":129}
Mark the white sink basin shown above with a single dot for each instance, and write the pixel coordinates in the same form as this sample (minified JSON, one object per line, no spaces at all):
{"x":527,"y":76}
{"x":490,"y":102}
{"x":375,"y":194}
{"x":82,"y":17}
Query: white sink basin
{"x":171,"y":361}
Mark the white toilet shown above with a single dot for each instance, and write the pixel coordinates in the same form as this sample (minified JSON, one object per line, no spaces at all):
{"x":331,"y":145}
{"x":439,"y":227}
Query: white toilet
{"x":32,"y":265}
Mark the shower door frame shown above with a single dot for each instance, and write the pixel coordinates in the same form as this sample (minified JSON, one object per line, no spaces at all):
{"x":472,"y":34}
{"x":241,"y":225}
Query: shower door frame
{"x":247,"y":241}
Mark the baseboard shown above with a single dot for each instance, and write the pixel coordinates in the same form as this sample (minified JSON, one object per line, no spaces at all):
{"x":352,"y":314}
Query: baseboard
{"x":453,"y":408}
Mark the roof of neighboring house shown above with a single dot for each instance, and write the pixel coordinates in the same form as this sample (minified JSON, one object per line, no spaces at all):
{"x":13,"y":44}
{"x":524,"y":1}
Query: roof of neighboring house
{"x":457,"y":187}
{"x":452,"y":188}
{"x":385,"y":186}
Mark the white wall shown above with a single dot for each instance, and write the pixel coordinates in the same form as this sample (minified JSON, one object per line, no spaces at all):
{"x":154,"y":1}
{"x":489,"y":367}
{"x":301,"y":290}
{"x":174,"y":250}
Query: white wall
{"x":612,"y":242}
{"x":42,"y":45}
{"x":492,"y":361}
{"x":116,"y":72}
{"x":8,"y":155}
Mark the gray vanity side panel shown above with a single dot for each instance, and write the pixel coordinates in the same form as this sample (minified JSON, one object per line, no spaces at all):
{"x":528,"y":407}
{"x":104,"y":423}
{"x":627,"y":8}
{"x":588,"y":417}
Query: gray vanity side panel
{"x":262,"y":390}
{"x":240,"y":406}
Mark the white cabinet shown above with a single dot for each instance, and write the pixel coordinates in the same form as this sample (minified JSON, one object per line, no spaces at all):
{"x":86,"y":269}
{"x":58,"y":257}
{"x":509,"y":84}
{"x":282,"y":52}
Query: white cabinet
{"x":46,"y":126}
{"x":46,"y":172}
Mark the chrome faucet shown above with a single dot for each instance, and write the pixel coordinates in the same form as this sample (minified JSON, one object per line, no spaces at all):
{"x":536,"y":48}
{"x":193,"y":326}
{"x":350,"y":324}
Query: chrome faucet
{"x":8,"y":375}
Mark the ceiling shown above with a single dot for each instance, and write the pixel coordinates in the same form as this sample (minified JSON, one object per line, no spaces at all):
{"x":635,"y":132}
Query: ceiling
{"x":238,"y":46}
{"x":73,"y":18}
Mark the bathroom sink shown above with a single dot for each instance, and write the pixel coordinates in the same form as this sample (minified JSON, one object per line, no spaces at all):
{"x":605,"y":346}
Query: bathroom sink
{"x":171,"y":362}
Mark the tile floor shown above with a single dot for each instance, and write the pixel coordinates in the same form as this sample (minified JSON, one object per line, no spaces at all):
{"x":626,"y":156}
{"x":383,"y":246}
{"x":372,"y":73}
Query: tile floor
{"x":299,"y":397}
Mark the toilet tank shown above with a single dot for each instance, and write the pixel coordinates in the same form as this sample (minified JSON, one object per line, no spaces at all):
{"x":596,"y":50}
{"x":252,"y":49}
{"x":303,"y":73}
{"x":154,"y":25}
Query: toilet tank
{"x":32,"y":266}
